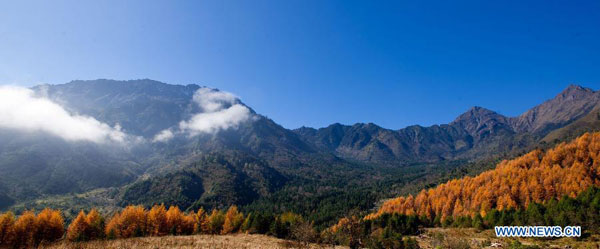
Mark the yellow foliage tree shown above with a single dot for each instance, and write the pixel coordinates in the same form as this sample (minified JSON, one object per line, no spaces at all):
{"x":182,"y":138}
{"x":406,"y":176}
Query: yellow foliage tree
{"x":202,"y":225}
{"x":233,"y":220}
{"x":215,"y":221}
{"x":157,"y":221}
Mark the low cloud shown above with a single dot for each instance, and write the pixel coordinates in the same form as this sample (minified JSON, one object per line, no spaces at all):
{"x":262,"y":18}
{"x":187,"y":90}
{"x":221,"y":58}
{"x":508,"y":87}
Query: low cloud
{"x":21,"y":109}
{"x":220,"y":111}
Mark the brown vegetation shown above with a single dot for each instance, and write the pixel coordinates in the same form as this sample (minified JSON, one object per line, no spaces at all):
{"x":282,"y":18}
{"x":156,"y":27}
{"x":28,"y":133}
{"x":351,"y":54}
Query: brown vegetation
{"x":235,"y":241}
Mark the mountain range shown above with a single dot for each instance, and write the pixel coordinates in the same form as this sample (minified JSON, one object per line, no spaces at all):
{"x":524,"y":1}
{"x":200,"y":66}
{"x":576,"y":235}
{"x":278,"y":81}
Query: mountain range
{"x":194,"y":146}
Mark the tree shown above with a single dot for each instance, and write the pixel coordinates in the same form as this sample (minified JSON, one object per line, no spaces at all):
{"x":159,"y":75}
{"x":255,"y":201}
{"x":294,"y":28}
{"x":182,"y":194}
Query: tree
{"x":50,"y":226}
{"x":7,"y":223}
{"x":215,"y":221}
{"x":78,"y":227}
{"x":202,"y":224}
{"x":233,"y":220}
{"x":95,"y":225}
{"x":536,"y":177}
{"x":157,"y":221}
{"x":25,"y":230}
{"x":131,"y":222}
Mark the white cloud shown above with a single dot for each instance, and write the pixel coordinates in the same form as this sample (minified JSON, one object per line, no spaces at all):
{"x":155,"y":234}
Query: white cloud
{"x":221,"y":111}
{"x":163,"y":136}
{"x":21,"y":110}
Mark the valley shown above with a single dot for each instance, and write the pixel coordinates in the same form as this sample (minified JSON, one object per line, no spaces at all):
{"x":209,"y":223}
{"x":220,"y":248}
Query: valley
{"x":165,"y":155}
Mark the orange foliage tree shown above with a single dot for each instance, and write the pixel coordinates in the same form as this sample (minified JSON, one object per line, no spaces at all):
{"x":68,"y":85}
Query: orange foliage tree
{"x":86,"y":227}
{"x":179,"y":223}
{"x":25,"y":230}
{"x":233,"y":220}
{"x":157,"y":221}
{"x":7,"y":223}
{"x":78,"y":227}
{"x":131,"y":222}
{"x":95,"y":225}
{"x":50,"y":226}
{"x":567,"y":169}
{"x":202,"y":224}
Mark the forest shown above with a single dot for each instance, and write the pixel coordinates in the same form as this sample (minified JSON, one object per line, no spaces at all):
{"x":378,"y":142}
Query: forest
{"x":536,"y":177}
{"x":558,"y":186}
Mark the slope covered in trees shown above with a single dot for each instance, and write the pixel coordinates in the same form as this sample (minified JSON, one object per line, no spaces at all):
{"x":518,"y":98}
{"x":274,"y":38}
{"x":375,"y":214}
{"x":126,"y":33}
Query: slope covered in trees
{"x":566,"y":170}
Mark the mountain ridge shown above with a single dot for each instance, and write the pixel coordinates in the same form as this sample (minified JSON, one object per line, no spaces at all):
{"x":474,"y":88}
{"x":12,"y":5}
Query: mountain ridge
{"x":273,"y":167}
{"x":476,"y":132}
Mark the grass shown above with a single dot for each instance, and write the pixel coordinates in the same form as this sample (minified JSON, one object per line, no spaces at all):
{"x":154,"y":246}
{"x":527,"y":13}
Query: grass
{"x":444,"y":237}
{"x":236,"y":241}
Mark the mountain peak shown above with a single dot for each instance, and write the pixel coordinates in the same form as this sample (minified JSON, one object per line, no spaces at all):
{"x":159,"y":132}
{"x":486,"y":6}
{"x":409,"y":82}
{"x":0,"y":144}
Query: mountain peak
{"x":479,"y":122}
{"x":574,"y":92}
{"x":475,"y":112}
{"x":573,"y":102}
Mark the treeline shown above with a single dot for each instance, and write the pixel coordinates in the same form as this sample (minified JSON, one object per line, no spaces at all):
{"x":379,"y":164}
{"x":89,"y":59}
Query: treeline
{"x":30,"y":230}
{"x":567,"y":169}
{"x":390,"y":230}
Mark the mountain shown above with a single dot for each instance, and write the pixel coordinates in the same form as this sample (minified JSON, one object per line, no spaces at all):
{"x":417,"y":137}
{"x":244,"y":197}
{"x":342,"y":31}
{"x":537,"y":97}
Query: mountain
{"x":571,"y":104}
{"x":140,"y":107}
{"x":477,"y":133}
{"x":194,"y":146}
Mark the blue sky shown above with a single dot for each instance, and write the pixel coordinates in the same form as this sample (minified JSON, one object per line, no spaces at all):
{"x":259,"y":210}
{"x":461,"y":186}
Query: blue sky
{"x":314,"y":63}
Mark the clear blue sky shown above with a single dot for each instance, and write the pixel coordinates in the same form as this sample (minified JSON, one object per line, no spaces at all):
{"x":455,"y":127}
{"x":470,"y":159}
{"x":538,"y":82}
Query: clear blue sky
{"x":314,"y":63}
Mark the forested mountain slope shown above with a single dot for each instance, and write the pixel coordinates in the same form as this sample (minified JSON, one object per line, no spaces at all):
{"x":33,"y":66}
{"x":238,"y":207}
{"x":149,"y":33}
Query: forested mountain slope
{"x":195,"y":146}
{"x":566,"y":170}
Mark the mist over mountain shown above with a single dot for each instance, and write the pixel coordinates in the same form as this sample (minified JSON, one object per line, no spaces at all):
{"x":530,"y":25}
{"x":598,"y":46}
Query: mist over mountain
{"x":195,"y":146}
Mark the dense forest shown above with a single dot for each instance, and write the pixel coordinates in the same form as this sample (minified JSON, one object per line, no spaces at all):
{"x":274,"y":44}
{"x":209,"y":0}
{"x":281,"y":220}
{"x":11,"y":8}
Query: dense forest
{"x":566,"y":170}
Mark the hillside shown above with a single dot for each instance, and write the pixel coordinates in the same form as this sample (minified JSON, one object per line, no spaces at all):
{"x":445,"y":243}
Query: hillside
{"x":566,"y":170}
{"x":194,"y":147}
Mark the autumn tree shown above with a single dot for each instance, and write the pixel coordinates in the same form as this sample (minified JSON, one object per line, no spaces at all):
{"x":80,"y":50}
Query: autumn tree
{"x":50,"y":226}
{"x":25,"y":230}
{"x":95,"y":225}
{"x":157,"y":221}
{"x":131,"y":222}
{"x":78,"y":227}
{"x":178,"y":223}
{"x":202,"y":224}
{"x":7,"y":223}
{"x":215,"y":221}
{"x":233,"y":220}
{"x":565,"y":170}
